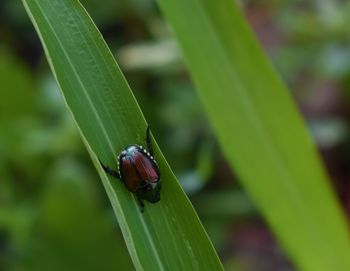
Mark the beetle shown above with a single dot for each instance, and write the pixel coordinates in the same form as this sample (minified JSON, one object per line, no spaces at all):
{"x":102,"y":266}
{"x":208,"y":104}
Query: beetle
{"x":139,"y":171}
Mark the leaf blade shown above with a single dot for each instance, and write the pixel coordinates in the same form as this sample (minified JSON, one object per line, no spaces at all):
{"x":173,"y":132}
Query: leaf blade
{"x":109,"y":119}
{"x":260,"y":131}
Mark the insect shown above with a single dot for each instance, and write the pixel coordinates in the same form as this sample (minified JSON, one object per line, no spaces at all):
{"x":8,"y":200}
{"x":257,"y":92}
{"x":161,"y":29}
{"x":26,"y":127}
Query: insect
{"x":139,"y":171}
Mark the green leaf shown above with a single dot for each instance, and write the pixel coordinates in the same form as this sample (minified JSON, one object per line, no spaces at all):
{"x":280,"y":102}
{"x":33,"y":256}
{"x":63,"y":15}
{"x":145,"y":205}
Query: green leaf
{"x":260,"y":131}
{"x":168,"y":235}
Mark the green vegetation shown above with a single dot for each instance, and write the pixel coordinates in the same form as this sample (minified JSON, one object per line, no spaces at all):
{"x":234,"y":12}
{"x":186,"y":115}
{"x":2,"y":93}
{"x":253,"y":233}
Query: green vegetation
{"x":54,"y":211}
{"x":167,"y":235}
{"x":261,"y":132}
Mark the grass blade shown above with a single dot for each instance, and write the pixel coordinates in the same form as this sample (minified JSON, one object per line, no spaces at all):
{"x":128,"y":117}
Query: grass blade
{"x":168,"y":236}
{"x":261,"y":132}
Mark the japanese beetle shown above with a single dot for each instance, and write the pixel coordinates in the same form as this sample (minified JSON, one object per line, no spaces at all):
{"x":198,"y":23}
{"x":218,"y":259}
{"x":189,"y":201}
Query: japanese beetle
{"x":139,"y":171}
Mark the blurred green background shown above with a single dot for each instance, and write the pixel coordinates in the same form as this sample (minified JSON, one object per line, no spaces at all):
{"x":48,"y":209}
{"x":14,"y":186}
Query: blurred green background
{"x":54,"y":214}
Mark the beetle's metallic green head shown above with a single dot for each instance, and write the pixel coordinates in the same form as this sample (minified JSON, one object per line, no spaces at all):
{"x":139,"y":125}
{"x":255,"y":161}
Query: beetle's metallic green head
{"x":150,"y":192}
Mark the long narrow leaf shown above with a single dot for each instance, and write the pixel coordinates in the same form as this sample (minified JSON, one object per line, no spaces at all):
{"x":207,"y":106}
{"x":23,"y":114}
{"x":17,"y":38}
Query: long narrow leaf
{"x":261,"y":132}
{"x":168,"y":235}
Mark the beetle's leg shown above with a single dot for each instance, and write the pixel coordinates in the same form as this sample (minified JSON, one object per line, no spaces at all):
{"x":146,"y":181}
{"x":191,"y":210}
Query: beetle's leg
{"x":142,"y":205}
{"x":110,"y":171}
{"x":148,"y":141}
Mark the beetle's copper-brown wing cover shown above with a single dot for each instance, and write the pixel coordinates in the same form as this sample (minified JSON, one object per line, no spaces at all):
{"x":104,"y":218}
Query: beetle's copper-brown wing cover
{"x":147,"y":168}
{"x":138,"y":169}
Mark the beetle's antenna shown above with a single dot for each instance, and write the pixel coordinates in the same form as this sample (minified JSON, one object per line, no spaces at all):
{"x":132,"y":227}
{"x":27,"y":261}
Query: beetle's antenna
{"x":148,"y":140}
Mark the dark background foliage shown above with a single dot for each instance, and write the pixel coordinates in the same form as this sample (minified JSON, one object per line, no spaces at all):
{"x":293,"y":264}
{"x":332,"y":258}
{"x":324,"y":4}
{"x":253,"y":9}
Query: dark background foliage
{"x":54,"y":214}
